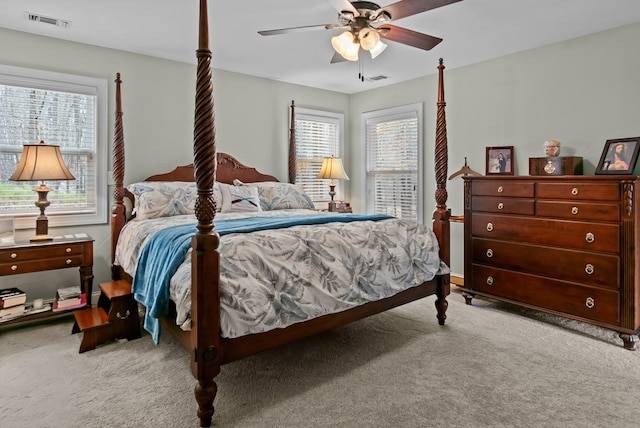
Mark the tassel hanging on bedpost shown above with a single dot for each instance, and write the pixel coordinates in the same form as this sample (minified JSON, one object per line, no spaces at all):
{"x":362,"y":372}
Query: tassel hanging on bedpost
{"x":293,"y":167}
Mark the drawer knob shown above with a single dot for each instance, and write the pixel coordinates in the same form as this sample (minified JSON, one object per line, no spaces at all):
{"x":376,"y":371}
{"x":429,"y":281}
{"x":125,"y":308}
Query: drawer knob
{"x":489,"y":227}
{"x":590,"y":303}
{"x":68,"y":261}
{"x":14,"y":255}
{"x":500,"y":189}
{"x":574,"y":210}
{"x":489,"y":253}
{"x":500,"y":205}
{"x":589,"y":269}
{"x":125,"y":316}
{"x":574,"y":191}
{"x":68,"y":250}
{"x":489,"y":280}
{"x":14,"y":267}
{"x":590,"y":237}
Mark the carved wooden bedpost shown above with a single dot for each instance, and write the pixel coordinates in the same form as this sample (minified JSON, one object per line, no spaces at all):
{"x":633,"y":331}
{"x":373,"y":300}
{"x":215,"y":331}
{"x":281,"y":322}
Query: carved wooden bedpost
{"x":118,"y":214}
{"x":205,"y":259}
{"x":441,"y":215}
{"x":293,"y":168}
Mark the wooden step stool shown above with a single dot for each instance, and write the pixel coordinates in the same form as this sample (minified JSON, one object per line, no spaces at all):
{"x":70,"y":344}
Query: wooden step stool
{"x":115,"y":317}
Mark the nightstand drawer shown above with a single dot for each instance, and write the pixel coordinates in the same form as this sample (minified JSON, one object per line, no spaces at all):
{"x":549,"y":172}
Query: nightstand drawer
{"x":38,"y":265}
{"x":40,"y":252}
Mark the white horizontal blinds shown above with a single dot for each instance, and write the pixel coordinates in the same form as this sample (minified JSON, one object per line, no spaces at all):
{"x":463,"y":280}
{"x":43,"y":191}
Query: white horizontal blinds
{"x":30,"y":114}
{"x":317,"y":136}
{"x":392,"y":165}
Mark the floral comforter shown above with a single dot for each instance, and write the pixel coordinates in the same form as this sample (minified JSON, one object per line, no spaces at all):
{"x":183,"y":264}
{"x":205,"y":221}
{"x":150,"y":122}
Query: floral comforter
{"x":274,"y":278}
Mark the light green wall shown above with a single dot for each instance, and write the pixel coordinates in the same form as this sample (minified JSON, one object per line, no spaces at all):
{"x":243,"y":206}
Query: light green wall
{"x":580,"y":92}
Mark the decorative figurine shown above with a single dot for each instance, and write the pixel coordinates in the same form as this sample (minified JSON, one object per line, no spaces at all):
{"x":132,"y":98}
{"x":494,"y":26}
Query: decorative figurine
{"x":552,"y":148}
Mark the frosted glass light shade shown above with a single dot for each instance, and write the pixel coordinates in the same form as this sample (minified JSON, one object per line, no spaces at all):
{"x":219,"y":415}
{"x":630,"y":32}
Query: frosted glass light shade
{"x":344,"y":44}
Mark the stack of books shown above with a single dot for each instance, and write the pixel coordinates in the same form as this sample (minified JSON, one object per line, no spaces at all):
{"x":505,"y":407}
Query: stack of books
{"x":12,"y":303}
{"x":69,"y":298}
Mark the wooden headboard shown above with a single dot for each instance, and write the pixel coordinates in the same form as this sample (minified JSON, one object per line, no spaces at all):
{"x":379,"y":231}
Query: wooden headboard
{"x":227,"y":170}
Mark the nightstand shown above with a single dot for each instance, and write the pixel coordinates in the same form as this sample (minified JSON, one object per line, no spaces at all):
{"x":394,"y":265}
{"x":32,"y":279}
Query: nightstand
{"x":28,"y":257}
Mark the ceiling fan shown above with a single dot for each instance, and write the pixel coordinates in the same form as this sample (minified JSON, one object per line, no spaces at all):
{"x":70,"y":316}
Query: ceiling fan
{"x":366,"y":23}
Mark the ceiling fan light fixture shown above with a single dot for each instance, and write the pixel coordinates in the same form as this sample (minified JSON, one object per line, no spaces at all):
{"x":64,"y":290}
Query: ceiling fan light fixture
{"x":344,"y":44}
{"x":377,"y":49}
{"x":369,"y":38}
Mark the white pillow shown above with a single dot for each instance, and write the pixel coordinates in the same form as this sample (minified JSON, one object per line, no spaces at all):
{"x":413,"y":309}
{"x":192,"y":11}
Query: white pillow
{"x":167,"y":198}
{"x":275,"y":195}
{"x":239,"y":198}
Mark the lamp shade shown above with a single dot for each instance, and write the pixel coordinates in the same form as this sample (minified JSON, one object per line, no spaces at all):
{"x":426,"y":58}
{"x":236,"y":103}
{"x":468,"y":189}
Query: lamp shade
{"x":345,"y":45}
{"x":41,"y":162}
{"x":332,"y":168}
{"x":377,"y":49}
{"x":368,"y":38}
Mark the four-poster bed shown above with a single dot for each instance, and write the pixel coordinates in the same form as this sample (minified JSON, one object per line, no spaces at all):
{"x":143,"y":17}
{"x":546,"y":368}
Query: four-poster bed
{"x":207,"y":337}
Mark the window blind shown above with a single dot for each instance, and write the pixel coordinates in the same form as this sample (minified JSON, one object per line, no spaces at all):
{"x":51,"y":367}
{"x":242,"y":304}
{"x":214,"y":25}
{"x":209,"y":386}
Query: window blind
{"x":60,"y":113}
{"x":318,"y":135}
{"x":393,"y":170}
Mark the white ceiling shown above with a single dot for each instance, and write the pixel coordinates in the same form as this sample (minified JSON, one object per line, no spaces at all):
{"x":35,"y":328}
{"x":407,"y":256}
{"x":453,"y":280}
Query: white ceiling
{"x":473,"y":31}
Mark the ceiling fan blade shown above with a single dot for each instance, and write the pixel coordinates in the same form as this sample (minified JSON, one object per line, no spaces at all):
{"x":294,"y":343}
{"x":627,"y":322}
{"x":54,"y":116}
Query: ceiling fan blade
{"x":337,"y":58}
{"x":296,"y":29}
{"x":343,"y":6}
{"x":408,"y":37}
{"x":405,"y":8}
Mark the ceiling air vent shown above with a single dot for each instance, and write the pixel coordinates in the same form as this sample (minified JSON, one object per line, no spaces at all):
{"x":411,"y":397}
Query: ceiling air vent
{"x":47,"y":20}
{"x":376,"y":78}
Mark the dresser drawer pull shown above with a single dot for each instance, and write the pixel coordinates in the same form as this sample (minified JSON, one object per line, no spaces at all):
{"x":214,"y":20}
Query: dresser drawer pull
{"x":590,"y":303}
{"x":574,"y":210}
{"x":489,"y":227}
{"x":574,"y":191}
{"x":14,"y":267}
{"x":489,"y":280}
{"x":14,"y":255}
{"x":68,"y":261}
{"x":489,"y":253}
{"x":590,"y":237}
{"x":500,"y":189}
{"x":589,"y":269}
{"x":68,"y":250}
{"x":500,"y":206}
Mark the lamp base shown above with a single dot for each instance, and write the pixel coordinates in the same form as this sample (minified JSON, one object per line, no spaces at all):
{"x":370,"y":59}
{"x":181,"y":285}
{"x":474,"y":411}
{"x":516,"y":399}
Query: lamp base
{"x":38,"y":238}
{"x":332,"y":207}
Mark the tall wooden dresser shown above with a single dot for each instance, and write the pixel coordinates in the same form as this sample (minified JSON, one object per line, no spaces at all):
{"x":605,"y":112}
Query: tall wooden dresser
{"x":564,"y":245}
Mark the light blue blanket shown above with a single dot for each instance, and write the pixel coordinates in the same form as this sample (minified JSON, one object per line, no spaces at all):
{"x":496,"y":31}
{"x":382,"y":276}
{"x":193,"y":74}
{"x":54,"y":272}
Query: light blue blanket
{"x":165,"y":251}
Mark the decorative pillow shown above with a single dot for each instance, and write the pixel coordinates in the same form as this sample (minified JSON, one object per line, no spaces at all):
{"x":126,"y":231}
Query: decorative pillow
{"x":167,"y":198}
{"x":275,"y":195}
{"x":239,"y":198}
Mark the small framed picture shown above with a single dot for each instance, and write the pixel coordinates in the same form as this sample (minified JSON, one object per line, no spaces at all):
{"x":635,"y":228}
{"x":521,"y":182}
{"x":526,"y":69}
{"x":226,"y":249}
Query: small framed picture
{"x":619,"y":156}
{"x":500,"y":160}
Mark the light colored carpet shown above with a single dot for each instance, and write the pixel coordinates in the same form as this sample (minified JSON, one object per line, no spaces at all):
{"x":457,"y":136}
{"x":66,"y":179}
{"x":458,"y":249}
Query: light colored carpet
{"x":492,"y":365}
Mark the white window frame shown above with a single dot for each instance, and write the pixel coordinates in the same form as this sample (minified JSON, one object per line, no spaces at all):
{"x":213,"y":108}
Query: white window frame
{"x":48,"y":80}
{"x":302,"y":113}
{"x":389,"y":114}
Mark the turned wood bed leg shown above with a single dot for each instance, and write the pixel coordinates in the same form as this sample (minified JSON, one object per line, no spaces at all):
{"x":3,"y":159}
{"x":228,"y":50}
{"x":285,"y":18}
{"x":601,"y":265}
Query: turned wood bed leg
{"x":205,"y":394}
{"x":444,"y":288}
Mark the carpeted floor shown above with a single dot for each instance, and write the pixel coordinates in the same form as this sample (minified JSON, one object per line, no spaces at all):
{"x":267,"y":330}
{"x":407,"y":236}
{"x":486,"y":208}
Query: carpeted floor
{"x":492,"y":365}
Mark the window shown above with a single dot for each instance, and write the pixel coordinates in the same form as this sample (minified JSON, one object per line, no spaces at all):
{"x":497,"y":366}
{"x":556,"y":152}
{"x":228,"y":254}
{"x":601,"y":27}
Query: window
{"x":59,"y":109}
{"x":319,"y":134}
{"x":393,"y":145}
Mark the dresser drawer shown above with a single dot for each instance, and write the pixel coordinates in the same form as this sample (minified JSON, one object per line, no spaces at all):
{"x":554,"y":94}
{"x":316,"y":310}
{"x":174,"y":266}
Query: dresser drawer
{"x":579,"y":191}
{"x":589,"y":302}
{"x":570,"y":265}
{"x":578,"y":210}
{"x":503,"y":205}
{"x":563,"y":233}
{"x":506,"y":188}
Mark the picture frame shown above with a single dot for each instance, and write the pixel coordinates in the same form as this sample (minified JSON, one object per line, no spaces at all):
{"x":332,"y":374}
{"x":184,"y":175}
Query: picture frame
{"x":619,"y":156}
{"x":499,"y":160}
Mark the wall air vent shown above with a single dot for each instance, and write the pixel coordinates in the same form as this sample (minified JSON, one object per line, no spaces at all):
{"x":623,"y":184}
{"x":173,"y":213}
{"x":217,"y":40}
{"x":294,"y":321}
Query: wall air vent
{"x":376,"y":78}
{"x":47,"y":20}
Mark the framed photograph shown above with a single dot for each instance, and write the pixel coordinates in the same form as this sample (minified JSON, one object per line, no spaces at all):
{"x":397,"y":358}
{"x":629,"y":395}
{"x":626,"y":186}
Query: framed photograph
{"x":619,"y":156}
{"x":500,"y":160}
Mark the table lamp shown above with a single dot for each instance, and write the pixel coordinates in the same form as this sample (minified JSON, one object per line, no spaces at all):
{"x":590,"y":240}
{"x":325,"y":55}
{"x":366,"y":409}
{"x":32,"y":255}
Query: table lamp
{"x":332,"y":169}
{"x":41,"y":162}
